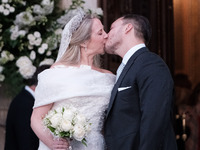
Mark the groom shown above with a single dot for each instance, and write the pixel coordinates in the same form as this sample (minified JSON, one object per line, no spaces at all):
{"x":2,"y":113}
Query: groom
{"x":140,"y":114}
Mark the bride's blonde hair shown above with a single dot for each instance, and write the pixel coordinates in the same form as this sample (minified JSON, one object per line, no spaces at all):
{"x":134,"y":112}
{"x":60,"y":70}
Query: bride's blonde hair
{"x":72,"y":55}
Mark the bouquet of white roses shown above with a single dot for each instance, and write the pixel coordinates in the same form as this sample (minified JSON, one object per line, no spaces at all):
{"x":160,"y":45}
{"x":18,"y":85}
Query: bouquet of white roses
{"x":67,"y":122}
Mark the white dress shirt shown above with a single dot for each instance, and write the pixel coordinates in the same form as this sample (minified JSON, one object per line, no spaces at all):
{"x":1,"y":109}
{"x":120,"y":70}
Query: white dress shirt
{"x":30,"y":90}
{"x":128,"y":55}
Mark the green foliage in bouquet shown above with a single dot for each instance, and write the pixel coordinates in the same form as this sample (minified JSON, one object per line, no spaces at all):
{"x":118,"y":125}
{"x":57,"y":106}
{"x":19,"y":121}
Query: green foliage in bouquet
{"x":30,"y":32}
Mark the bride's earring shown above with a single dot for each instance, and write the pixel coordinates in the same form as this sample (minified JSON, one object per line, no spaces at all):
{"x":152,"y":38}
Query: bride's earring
{"x":85,"y":49}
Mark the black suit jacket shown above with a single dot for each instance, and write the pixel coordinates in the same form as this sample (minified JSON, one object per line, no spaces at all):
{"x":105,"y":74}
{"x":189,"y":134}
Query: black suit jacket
{"x":19,"y":135}
{"x":140,"y":116}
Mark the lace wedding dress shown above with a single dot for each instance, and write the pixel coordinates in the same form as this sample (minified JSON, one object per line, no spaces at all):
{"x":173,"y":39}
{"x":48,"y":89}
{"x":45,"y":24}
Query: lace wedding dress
{"x":86,"y":89}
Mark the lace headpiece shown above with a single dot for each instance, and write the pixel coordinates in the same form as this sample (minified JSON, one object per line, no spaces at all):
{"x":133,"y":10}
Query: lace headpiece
{"x":67,"y":32}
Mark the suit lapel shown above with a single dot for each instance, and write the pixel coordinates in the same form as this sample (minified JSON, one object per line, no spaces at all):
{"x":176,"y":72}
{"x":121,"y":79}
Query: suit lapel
{"x":121,"y":77}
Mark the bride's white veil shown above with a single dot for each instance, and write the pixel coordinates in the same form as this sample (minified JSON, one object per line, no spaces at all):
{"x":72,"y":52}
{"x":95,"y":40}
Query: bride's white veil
{"x":67,"y":32}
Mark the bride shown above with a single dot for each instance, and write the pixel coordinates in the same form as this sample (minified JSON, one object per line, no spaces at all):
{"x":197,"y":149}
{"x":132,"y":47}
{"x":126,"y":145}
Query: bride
{"x":75,"y":79}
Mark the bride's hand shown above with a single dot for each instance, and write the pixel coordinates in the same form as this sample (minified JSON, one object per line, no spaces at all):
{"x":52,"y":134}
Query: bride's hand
{"x":60,"y":144}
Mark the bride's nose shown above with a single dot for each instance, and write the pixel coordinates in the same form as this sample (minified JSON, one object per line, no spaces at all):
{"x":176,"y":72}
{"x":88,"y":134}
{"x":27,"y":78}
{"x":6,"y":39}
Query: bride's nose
{"x":105,"y":35}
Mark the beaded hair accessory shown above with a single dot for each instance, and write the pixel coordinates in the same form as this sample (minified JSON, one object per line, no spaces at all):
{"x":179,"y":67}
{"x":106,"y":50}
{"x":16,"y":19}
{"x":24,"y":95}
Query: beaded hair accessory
{"x":67,"y":32}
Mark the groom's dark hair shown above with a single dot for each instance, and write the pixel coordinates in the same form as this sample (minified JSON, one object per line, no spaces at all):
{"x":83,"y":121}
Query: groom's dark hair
{"x":141,"y":25}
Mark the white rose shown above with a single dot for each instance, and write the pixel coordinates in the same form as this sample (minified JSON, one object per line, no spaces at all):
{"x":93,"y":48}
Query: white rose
{"x":48,"y":53}
{"x":69,"y":115}
{"x":48,"y":9}
{"x":12,"y":9}
{"x":45,"y":46}
{"x":32,"y":55}
{"x":27,"y":71}
{"x":99,"y":11}
{"x":6,"y":12}
{"x":32,"y":42}
{"x":11,"y":57}
{"x":23,"y":61}
{"x":46,"y":2}
{"x":80,"y":119}
{"x":14,"y":28}
{"x":55,"y":120}
{"x":37,"y":9}
{"x":79,"y":132}
{"x":4,"y":1}
{"x":72,"y":109}
{"x":31,"y":37}
{"x":59,"y":110}
{"x":14,"y":36}
{"x":4,"y":54}
{"x":22,"y":32}
{"x":7,"y":6}
{"x":41,"y":50}
{"x":37,"y":34}
{"x":58,"y":31}
{"x":24,"y":18}
{"x":50,"y":114}
{"x":47,"y":61}
{"x":38,"y":41}
{"x":66,"y":125}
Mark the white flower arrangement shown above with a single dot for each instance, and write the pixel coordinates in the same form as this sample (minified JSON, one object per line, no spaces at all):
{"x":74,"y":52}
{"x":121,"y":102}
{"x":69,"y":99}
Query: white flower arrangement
{"x":32,"y":29}
{"x":46,"y":61}
{"x":67,"y":122}
{"x":5,"y":8}
{"x":26,"y":67}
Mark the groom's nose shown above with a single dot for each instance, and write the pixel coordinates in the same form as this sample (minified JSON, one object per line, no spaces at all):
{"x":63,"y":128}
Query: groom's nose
{"x":106,"y":35}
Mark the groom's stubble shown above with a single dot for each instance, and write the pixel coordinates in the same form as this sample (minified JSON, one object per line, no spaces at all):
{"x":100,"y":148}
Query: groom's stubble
{"x":113,"y":44}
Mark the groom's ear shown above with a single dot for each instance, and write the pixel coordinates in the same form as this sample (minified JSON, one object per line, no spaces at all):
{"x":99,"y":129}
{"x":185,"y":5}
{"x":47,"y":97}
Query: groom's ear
{"x":128,"y":27}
